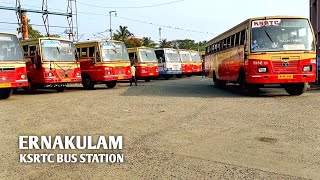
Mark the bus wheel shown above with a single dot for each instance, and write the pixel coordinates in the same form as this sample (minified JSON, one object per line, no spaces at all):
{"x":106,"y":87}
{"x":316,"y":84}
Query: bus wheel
{"x":5,"y":93}
{"x":179,"y":75}
{"x":296,"y":89}
{"x":61,"y":89}
{"x":111,"y":84}
{"x":147,"y":80}
{"x":31,"y":89}
{"x":87,"y":83}
{"x":189,"y":75}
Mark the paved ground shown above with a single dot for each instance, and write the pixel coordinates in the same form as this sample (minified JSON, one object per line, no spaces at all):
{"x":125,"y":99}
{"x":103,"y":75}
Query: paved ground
{"x":176,"y":129}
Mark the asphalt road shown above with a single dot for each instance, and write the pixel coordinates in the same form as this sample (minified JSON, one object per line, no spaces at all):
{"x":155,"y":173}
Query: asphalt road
{"x":175,"y":129}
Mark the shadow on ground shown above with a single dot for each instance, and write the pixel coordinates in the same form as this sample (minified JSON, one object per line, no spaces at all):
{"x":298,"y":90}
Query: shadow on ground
{"x":195,"y":87}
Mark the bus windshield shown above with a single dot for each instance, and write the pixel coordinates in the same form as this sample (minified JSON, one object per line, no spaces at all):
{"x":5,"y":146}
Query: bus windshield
{"x":195,"y":57}
{"x":147,"y":55}
{"x":56,"y":50}
{"x":185,"y":56}
{"x":10,"y":49}
{"x":172,"y":56}
{"x":114,"y":52}
{"x":281,"y":35}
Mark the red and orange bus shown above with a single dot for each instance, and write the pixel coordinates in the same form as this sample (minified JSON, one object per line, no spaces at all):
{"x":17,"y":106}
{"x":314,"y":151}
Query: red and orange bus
{"x":103,"y":62}
{"x":196,"y":62}
{"x":51,"y":63}
{"x":13,"y":72}
{"x":264,"y":51}
{"x":186,"y":62}
{"x":145,"y":61}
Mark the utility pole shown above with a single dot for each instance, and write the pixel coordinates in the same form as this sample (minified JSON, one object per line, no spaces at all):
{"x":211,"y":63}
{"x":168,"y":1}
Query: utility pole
{"x":110,"y":14}
{"x":76,"y":7}
{"x":160,"y":35}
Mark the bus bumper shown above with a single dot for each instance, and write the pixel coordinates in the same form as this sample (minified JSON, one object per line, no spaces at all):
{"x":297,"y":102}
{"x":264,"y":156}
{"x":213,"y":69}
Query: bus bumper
{"x":170,"y":72}
{"x":17,"y":84}
{"x":280,"y":78}
{"x":124,"y":77}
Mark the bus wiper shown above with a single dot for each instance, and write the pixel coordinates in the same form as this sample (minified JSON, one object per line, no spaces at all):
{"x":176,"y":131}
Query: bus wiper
{"x":58,"y":50}
{"x":268,"y":36}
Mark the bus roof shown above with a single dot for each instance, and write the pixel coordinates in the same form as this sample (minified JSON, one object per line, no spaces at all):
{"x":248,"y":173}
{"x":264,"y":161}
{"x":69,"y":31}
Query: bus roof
{"x":244,"y":24}
{"x":36,"y":40}
{"x":137,"y":48}
{"x":8,"y":33}
{"x":98,"y":41}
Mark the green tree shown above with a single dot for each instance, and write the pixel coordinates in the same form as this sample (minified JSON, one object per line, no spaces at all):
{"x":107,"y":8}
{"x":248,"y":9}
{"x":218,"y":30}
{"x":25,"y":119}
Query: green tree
{"x":146,"y":41}
{"x":165,"y":44}
{"x":122,"y":34}
{"x":131,"y":43}
{"x":33,"y":33}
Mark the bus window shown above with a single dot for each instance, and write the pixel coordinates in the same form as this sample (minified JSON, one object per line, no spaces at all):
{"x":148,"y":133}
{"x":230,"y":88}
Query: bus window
{"x":237,"y":43}
{"x":242,"y":37}
{"x":160,"y":56}
{"x":84,"y":52}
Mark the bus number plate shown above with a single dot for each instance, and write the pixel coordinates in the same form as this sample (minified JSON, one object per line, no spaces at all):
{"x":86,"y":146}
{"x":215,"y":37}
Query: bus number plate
{"x":285,"y":76}
{"x":121,"y":77}
{"x":5,"y":85}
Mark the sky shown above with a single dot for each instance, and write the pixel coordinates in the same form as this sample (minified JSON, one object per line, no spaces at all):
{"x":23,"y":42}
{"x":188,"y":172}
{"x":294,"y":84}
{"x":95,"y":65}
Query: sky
{"x":206,"y":18}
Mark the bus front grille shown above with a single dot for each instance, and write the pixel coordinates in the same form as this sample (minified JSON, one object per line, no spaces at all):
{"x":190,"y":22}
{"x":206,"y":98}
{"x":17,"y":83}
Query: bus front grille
{"x":285,"y":67}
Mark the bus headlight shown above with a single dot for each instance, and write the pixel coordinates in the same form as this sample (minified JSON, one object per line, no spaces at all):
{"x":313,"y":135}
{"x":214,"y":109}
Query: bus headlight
{"x":262,"y":69}
{"x":307,"y":69}
{"x":23,"y":76}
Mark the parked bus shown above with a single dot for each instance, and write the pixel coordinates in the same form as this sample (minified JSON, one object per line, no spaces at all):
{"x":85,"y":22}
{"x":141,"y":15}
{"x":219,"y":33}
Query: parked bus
{"x":51,"y":63}
{"x":145,"y":61}
{"x":196,"y":62}
{"x":13,"y":72}
{"x":169,"y":63}
{"x":103,"y":62}
{"x":186,"y":62}
{"x":263,"y":51}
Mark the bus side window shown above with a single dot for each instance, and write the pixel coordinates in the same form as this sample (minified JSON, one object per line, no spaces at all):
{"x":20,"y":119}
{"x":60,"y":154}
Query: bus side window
{"x":26,"y":50}
{"x":92,"y":54}
{"x":33,"y":50}
{"x":160,"y":56}
{"x":242,"y":37}
{"x":237,"y":43}
{"x":132,"y":56}
{"x":83,"y":52}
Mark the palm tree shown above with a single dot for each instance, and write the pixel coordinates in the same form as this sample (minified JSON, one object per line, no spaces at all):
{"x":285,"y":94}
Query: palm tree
{"x":122,"y":34}
{"x":146,"y":41}
{"x":165,"y":44}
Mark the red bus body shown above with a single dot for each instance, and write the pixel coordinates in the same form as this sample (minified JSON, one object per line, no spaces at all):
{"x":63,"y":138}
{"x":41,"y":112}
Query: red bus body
{"x":186,"y":62}
{"x":13,"y":73}
{"x":51,"y":63}
{"x":265,"y":51}
{"x":99,"y":64}
{"x":145,"y":62}
{"x":196,"y":62}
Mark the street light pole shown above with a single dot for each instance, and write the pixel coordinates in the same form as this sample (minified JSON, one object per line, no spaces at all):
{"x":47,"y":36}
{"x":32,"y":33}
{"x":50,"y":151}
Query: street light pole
{"x":110,"y":14}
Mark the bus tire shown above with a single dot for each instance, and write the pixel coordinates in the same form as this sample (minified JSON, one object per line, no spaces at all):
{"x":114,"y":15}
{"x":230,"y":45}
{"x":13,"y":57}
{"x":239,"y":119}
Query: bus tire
{"x":179,"y":75}
{"x":5,"y":93}
{"x":31,"y":89}
{"x":87,"y":83}
{"x":111,"y":84}
{"x":296,"y":89}
{"x":147,"y":80}
{"x":61,"y":89}
{"x":189,"y":75}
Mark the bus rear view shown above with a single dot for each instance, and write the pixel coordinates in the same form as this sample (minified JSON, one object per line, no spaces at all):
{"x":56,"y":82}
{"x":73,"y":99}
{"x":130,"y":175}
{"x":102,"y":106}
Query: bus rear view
{"x":13,"y":73}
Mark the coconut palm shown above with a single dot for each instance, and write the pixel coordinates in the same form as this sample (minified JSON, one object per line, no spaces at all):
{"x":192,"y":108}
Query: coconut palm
{"x":165,"y":44}
{"x":122,"y":34}
{"x":146,"y":41}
